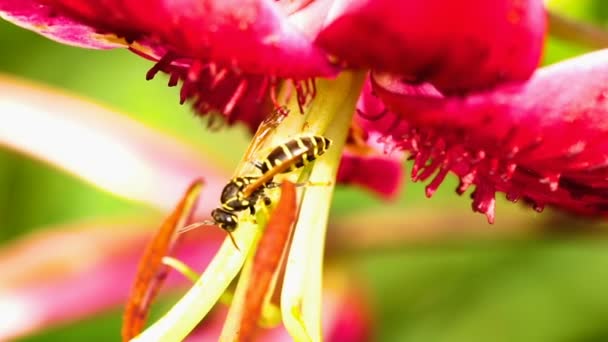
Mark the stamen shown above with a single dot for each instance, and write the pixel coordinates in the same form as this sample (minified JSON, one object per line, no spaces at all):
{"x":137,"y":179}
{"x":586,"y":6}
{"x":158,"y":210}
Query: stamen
{"x":300,"y":97}
{"x":162,"y":64}
{"x":263,"y":89}
{"x":150,"y":271}
{"x":432,"y":187}
{"x":273,"y":94}
{"x":192,"y":76}
{"x":466,"y":181}
{"x":313,"y":87}
{"x":266,"y":260}
{"x":427,"y":171}
{"x":306,"y":91}
{"x":173,"y":79}
{"x":236,"y":96}
{"x":484,"y":200}
{"x":219,"y":77}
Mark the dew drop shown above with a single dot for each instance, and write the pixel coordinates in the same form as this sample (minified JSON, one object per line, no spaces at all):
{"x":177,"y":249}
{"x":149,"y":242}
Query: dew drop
{"x":513,"y":196}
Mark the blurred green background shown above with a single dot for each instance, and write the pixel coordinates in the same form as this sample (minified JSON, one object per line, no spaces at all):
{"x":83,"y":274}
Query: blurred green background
{"x":546,"y":288}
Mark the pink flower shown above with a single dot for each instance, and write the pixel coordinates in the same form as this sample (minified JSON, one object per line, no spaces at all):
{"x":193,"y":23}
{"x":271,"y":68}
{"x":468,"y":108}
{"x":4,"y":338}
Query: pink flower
{"x":444,"y":83}
{"x":541,"y":141}
{"x":232,"y":57}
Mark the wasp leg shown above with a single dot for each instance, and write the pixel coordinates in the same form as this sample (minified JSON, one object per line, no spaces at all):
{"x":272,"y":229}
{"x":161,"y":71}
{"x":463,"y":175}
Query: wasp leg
{"x":272,"y":185}
{"x":233,"y":241}
{"x":313,"y":184}
{"x":252,"y":209}
{"x":258,"y":164}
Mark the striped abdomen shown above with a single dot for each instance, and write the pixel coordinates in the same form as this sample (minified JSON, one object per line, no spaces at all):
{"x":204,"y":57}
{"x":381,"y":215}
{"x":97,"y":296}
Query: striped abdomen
{"x":297,"y":152}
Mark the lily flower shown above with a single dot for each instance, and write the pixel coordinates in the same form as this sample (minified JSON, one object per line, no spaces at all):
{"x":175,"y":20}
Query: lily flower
{"x":451,"y":77}
{"x":67,"y":272}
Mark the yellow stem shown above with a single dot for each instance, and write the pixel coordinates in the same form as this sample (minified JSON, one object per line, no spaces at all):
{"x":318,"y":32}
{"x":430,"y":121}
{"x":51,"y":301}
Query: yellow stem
{"x":182,"y":268}
{"x":330,"y":115}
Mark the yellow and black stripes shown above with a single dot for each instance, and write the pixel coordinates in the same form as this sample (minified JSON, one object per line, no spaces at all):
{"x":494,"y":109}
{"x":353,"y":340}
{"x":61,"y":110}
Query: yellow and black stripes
{"x":243,"y":193}
{"x":298,"y":151}
{"x":232,"y":198}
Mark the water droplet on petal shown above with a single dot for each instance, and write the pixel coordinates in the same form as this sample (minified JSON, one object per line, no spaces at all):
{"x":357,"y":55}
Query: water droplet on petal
{"x":538,"y":207}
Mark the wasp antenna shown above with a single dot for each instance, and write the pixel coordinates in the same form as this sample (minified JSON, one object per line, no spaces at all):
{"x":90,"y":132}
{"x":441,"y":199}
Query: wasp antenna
{"x":233,"y":241}
{"x":195,"y":226}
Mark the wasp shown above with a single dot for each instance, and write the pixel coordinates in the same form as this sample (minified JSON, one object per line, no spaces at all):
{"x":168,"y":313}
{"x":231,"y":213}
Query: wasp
{"x":293,"y":154}
{"x":243,"y":193}
{"x":233,"y":201}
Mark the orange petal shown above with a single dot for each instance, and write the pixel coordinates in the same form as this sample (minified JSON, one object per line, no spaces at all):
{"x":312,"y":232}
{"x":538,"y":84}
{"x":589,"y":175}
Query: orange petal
{"x":267,"y":259}
{"x":151,"y":272}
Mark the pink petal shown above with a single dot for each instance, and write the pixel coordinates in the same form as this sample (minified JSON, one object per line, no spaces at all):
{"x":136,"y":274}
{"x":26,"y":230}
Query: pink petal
{"x":61,"y":275}
{"x":352,"y":317}
{"x":454,"y":45}
{"x":37,"y":16}
{"x":543,"y":141}
{"x":230,"y":56}
{"x":373,"y":169}
{"x":249,"y":35}
{"x":103,"y":147}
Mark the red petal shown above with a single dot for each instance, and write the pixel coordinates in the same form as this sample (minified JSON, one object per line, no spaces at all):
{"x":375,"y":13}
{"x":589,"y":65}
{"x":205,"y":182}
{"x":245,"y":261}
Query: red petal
{"x":248,"y":35}
{"x":543,"y":141}
{"x":373,"y":170}
{"x":36,"y":16}
{"x":454,"y":45}
{"x":352,"y":321}
{"x":229,"y":55}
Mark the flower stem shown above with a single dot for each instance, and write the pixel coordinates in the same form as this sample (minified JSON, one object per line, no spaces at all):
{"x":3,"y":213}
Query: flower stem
{"x":176,"y":324}
{"x":330,"y":115}
{"x":182,"y":268}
